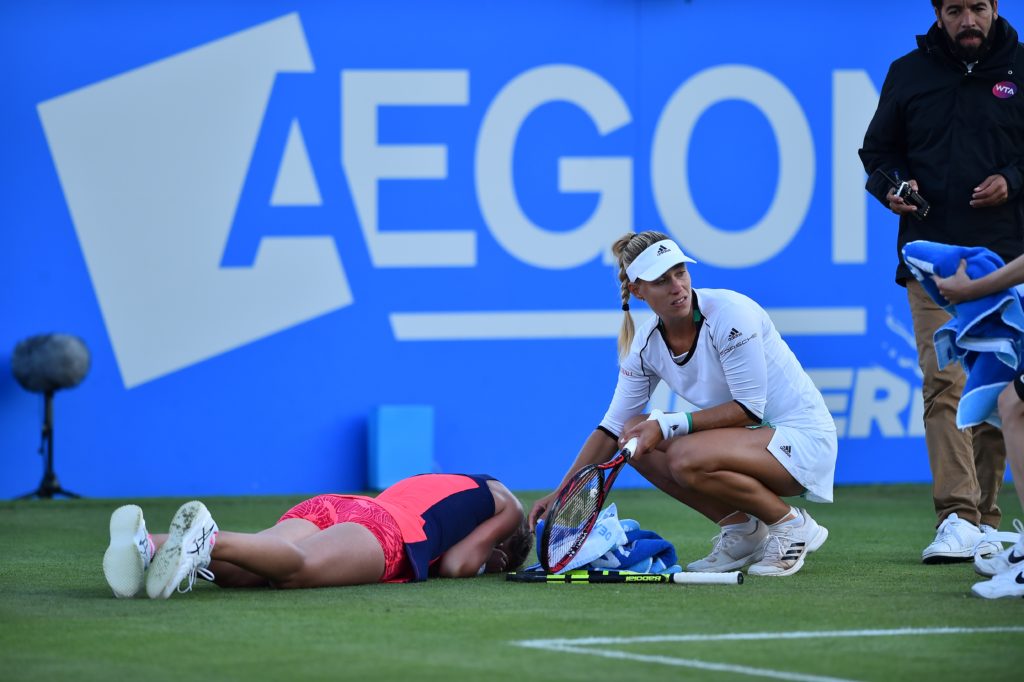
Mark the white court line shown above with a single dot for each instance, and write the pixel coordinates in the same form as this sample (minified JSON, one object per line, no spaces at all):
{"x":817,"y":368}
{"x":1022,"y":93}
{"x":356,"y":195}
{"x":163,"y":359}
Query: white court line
{"x":578,"y":646}
{"x":582,"y":324}
{"x":700,"y":665}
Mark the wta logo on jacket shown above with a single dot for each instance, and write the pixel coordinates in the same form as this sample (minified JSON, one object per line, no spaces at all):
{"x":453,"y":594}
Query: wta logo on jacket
{"x":1004,"y":89}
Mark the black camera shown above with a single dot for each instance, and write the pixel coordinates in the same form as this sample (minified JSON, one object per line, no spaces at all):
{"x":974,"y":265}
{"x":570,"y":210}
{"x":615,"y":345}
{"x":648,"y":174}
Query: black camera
{"x":904,"y":191}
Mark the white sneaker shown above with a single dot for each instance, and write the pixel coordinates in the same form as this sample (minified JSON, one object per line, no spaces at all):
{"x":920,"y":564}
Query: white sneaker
{"x":989,"y":545}
{"x":191,"y":538}
{"x":129,"y":553}
{"x":733,"y":549}
{"x":1001,"y":561}
{"x":788,"y":545}
{"x":954,"y":541}
{"x":1009,"y":583}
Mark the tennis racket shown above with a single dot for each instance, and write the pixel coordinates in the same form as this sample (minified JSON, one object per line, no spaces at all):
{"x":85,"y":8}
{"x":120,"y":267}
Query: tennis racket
{"x":581,"y":576}
{"x":572,"y":515}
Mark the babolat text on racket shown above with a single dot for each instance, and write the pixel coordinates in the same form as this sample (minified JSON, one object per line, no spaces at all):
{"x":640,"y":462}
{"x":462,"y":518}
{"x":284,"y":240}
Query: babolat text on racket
{"x":572,"y":515}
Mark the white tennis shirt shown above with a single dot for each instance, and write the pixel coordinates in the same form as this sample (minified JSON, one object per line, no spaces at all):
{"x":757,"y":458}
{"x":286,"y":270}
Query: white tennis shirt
{"x":739,"y":355}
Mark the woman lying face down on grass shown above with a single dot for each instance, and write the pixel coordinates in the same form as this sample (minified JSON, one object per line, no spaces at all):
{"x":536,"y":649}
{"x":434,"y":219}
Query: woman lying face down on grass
{"x":448,"y":525}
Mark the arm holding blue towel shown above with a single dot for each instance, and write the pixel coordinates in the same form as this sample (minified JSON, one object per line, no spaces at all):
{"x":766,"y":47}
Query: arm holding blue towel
{"x":960,"y":287}
{"x":985,"y":334}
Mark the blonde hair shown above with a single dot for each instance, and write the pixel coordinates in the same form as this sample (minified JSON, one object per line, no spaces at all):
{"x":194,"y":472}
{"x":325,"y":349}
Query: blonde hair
{"x":625,"y":249}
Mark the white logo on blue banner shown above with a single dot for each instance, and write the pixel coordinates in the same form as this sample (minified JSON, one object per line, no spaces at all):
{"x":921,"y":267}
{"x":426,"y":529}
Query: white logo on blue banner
{"x":152,"y":163}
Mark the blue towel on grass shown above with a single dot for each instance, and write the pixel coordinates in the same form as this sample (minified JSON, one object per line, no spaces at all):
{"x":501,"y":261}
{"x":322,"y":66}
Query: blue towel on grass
{"x":621,"y":546}
{"x":985,"y":335}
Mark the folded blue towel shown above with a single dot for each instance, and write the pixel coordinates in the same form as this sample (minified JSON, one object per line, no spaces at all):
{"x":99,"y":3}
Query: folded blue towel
{"x":619,"y":545}
{"x":643,"y":552}
{"x":986,"y":335}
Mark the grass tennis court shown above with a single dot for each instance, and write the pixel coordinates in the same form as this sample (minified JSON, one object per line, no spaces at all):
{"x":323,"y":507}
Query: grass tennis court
{"x":59,"y":621}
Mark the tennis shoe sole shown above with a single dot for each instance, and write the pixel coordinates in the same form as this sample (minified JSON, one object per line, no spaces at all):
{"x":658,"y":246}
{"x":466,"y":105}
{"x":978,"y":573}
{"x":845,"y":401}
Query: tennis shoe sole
{"x":172,"y":562}
{"x":123,"y":566}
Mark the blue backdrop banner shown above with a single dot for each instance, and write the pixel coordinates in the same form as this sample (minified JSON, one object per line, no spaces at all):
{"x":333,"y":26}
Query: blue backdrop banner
{"x":268,"y":219}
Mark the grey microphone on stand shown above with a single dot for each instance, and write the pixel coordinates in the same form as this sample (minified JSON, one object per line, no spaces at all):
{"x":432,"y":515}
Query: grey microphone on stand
{"x":45,"y":364}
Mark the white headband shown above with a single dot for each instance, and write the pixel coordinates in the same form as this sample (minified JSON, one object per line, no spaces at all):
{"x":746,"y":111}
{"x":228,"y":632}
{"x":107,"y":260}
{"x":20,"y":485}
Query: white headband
{"x":655,"y":261}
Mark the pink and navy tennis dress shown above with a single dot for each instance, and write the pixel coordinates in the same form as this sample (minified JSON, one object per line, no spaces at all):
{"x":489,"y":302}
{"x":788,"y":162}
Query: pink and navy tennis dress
{"x":416,"y":520}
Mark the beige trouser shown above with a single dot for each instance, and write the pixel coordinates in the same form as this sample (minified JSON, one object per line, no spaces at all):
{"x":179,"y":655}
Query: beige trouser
{"x":967,"y":466}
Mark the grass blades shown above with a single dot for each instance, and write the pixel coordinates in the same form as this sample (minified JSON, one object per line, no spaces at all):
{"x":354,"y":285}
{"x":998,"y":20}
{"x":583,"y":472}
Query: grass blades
{"x":58,"y":619}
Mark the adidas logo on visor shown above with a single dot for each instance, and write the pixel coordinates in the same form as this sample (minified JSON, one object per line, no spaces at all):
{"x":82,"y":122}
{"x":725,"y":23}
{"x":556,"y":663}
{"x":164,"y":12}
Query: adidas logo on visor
{"x":655,"y":260}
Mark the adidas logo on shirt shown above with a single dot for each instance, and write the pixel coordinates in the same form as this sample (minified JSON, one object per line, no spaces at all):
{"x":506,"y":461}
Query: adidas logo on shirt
{"x":734,"y":333}
{"x":788,"y":449}
{"x":662,"y":249}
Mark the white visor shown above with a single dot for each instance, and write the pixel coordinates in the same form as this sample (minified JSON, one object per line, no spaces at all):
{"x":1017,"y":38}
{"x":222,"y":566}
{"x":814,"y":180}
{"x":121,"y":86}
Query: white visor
{"x":655,"y":261}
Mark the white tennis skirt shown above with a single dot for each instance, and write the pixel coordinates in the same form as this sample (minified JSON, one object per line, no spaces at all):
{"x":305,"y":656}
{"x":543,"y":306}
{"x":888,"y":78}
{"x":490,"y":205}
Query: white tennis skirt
{"x":809,"y":455}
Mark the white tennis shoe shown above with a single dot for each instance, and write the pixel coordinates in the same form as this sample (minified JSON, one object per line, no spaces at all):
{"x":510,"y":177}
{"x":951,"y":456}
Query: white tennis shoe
{"x":990,"y":543}
{"x":1009,"y":583}
{"x":1007,"y":558}
{"x":191,"y":538}
{"x":955,"y":540}
{"x":733,"y":549}
{"x":129,"y":553}
{"x":788,"y":545}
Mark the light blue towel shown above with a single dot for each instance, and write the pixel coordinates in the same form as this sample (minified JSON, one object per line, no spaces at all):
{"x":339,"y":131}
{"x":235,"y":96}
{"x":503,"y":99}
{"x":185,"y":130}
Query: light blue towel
{"x":619,"y":545}
{"x":985,"y":335}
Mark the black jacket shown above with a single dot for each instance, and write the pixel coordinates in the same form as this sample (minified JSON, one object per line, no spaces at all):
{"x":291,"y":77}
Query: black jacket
{"x":949,"y":129}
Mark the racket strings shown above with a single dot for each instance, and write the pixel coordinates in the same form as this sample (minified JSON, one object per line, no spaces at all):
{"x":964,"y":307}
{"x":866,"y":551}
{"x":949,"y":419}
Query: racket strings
{"x":572,"y":518}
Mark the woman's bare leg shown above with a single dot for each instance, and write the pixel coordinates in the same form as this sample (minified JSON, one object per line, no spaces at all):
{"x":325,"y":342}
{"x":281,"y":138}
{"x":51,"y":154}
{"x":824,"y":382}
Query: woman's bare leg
{"x":725,"y":474}
{"x":654,"y":466}
{"x":290,"y":556}
{"x":231,"y":575}
{"x":1011,"y":411}
{"x":734,"y":467}
{"x":227,"y":574}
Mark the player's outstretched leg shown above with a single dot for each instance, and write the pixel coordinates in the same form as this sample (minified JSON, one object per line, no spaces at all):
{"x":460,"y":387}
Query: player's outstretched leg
{"x":789,"y":543}
{"x":737,"y":546}
{"x":186,"y":552}
{"x":1010,"y":581}
{"x":129,"y":553}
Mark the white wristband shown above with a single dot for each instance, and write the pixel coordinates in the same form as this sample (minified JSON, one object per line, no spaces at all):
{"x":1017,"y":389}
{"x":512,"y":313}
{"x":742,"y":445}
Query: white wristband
{"x":483,"y":569}
{"x":673,"y":424}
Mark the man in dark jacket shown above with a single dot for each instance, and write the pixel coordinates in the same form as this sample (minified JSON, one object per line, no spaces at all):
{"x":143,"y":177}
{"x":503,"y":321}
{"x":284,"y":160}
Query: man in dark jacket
{"x":950,"y":123}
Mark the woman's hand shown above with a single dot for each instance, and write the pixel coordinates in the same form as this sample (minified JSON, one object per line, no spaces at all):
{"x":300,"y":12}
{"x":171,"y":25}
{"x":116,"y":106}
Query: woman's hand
{"x":497,"y":562}
{"x":648,"y":433}
{"x":539,"y":507}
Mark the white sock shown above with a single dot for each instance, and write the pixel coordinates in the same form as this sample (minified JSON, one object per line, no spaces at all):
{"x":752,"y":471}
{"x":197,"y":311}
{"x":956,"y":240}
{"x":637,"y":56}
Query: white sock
{"x":797,"y":519}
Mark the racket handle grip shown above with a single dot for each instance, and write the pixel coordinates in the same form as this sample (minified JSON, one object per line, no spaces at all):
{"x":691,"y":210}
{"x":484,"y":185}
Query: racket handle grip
{"x":694,"y":578}
{"x":630,"y":447}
